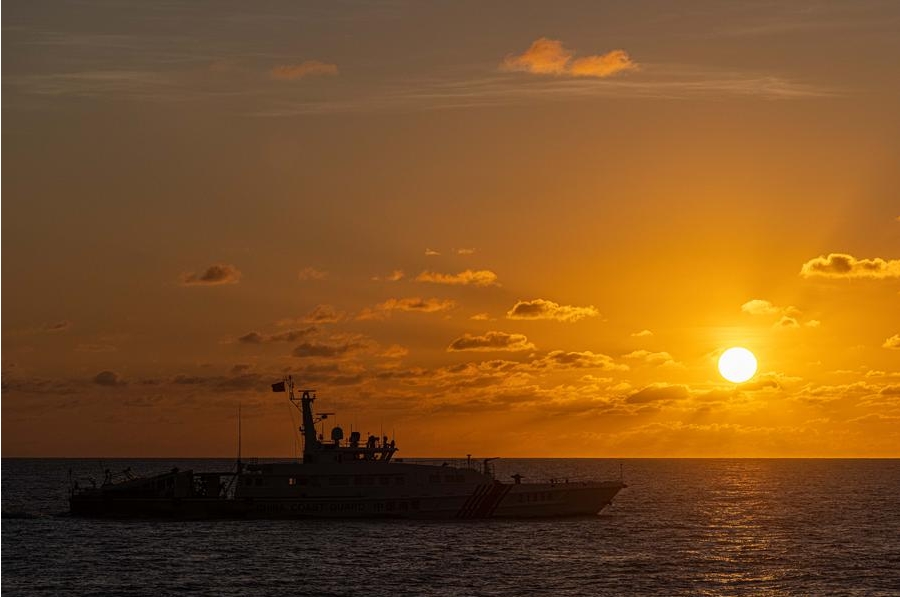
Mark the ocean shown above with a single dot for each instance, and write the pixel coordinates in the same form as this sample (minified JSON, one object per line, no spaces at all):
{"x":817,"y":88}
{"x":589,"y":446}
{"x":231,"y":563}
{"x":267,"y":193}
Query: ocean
{"x":682,"y":527}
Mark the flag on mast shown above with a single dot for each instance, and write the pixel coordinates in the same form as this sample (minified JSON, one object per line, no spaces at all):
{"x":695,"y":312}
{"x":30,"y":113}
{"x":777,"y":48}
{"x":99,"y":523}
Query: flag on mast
{"x":278,"y":387}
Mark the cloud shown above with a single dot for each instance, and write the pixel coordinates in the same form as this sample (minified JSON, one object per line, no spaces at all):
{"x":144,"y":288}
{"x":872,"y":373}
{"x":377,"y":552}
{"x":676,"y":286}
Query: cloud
{"x":108,"y":379}
{"x":475,"y":278}
{"x":252,"y":338}
{"x":604,"y":65}
{"x":414,"y":304}
{"x":549,"y":57}
{"x":840,"y":265}
{"x":544,"y":309}
{"x":292,"y":335}
{"x":394,"y":276}
{"x":759,"y":307}
{"x":307,"y":68}
{"x":480,"y":317}
{"x":324,"y":314}
{"x":286,"y":336}
{"x":656,"y":359}
{"x":658,"y":393}
{"x":544,"y":56}
{"x":311,"y":273}
{"x":642,"y":334}
{"x":95,"y":348}
{"x":214,"y":275}
{"x":892,"y":343}
{"x":57,"y":326}
{"x":431,"y":252}
{"x":788,"y":317}
{"x":327,"y":351}
{"x":491,"y":341}
{"x":465,"y":251}
{"x":394,"y":351}
{"x":561,"y":359}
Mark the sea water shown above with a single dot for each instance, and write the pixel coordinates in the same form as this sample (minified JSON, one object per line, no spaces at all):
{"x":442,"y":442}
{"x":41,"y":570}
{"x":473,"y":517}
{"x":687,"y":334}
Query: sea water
{"x":681,"y":527}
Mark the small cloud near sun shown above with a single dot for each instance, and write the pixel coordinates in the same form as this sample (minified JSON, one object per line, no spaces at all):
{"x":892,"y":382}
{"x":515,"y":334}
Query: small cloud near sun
{"x":549,"y":57}
{"x":653,"y":359}
{"x":759,"y":307}
{"x":892,"y":343}
{"x":491,"y":342}
{"x":307,"y":68}
{"x":840,"y":265}
{"x":311,"y":273}
{"x":544,"y":309}
{"x":467,"y":277}
{"x":642,"y":334}
{"x":788,"y":317}
{"x":214,"y":275}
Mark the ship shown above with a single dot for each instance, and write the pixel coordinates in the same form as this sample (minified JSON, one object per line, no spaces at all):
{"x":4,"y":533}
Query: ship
{"x":342,"y":477}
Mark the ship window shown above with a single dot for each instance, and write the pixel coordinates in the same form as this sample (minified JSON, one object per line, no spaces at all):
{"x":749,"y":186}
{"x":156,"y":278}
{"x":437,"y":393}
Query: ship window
{"x":339,"y":480}
{"x":292,"y":481}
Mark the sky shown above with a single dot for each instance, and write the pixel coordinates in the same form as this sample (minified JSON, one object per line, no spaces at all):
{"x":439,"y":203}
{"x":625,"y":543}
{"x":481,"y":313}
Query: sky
{"x":502,"y":229}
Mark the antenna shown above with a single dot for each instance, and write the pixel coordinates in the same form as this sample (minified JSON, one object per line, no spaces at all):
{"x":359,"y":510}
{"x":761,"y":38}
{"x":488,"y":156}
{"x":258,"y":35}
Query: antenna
{"x":239,"y":435}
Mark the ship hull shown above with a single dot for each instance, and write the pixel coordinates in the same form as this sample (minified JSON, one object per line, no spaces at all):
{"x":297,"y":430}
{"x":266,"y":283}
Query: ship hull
{"x":487,"y":500}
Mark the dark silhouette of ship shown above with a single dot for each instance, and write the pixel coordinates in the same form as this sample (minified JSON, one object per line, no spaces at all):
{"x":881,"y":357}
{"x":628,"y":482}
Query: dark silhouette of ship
{"x":340,"y":478}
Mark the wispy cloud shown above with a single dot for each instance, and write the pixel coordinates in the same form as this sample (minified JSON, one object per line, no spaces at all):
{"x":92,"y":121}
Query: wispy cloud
{"x":214,"y":275}
{"x":95,"y":348}
{"x":285,"y":336}
{"x":326,"y":351}
{"x":467,"y":277}
{"x":394,"y":276}
{"x":56,"y":326}
{"x":654,"y":359}
{"x":307,"y":68}
{"x":491,"y":342}
{"x":324,"y":314}
{"x":561,"y":359}
{"x":788,"y":318}
{"x":659,"y":393}
{"x":413,"y":304}
{"x":841,"y":265}
{"x":311,"y":273}
{"x":544,"y":309}
{"x":892,"y":343}
{"x":642,"y":334}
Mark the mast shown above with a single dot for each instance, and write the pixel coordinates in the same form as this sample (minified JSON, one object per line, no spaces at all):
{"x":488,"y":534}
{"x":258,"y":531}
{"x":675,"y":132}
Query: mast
{"x":311,"y":443}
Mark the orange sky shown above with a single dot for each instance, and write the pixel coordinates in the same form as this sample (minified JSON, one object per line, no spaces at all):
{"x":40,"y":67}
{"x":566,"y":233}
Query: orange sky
{"x":520,"y":229}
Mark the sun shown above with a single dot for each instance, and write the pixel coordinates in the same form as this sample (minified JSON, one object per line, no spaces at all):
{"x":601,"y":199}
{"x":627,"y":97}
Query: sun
{"x":737,"y":364}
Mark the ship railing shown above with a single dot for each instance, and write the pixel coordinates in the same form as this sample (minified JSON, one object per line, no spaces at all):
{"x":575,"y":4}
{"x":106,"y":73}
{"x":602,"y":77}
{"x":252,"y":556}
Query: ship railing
{"x":482,"y":465}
